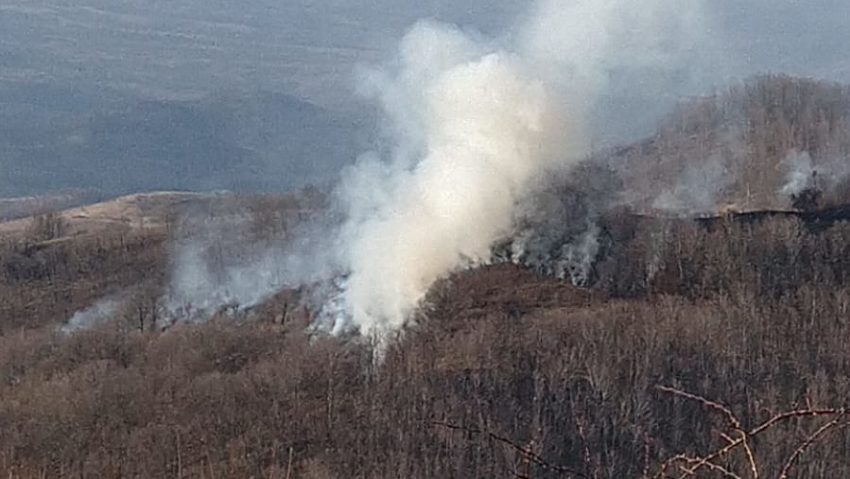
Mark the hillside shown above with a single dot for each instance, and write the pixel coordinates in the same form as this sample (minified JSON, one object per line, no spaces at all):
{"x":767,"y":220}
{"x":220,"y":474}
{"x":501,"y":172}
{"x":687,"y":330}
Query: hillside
{"x":682,"y":334}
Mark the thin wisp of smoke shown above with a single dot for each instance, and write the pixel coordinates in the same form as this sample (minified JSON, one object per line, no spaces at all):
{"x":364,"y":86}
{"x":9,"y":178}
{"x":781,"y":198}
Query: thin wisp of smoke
{"x":698,"y":190}
{"x":99,"y":313}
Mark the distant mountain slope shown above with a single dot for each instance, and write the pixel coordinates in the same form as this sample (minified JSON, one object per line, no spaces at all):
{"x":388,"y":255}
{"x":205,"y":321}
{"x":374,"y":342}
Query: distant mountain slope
{"x":236,"y":140}
{"x":132,"y":212}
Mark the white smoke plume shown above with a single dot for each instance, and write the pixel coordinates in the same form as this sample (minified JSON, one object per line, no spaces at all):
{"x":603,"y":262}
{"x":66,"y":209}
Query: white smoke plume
{"x":477,"y":125}
{"x":564,"y":257}
{"x":624,"y":64}
{"x":489,"y":132}
{"x":800,"y":173}
{"x":580,"y":257}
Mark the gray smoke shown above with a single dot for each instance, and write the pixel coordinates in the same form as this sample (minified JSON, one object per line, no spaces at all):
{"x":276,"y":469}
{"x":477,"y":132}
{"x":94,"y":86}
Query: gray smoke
{"x":565,"y":257}
{"x":104,"y":310}
{"x":219,"y":268}
{"x":557,"y":232}
{"x":697,"y":190}
{"x":200,"y":288}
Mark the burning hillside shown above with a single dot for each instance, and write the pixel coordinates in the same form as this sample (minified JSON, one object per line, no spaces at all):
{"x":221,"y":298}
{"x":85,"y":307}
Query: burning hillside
{"x":484,"y":293}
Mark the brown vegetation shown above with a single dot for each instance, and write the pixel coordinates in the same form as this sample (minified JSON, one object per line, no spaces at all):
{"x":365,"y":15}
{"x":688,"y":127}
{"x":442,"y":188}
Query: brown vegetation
{"x":45,"y":282}
{"x":506,"y":375}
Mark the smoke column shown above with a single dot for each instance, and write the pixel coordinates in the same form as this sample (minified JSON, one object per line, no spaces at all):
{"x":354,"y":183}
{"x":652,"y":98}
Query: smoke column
{"x":476,"y":125}
{"x":490,"y":131}
{"x":473,"y":129}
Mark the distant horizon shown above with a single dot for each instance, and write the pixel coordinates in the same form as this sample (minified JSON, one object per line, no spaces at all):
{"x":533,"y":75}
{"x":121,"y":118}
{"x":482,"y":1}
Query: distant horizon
{"x":124,"y":98}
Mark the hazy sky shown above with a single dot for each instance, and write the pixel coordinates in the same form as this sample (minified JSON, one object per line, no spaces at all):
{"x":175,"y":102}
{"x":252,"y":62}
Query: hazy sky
{"x":176,"y":49}
{"x":308,"y":47}
{"x":64,"y":60}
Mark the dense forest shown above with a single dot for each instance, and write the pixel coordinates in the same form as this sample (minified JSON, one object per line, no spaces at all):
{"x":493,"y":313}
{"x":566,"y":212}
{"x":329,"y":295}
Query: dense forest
{"x":713,"y":346}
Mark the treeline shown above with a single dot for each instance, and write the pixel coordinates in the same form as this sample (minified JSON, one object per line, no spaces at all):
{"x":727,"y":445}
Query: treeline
{"x":761,"y":253}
